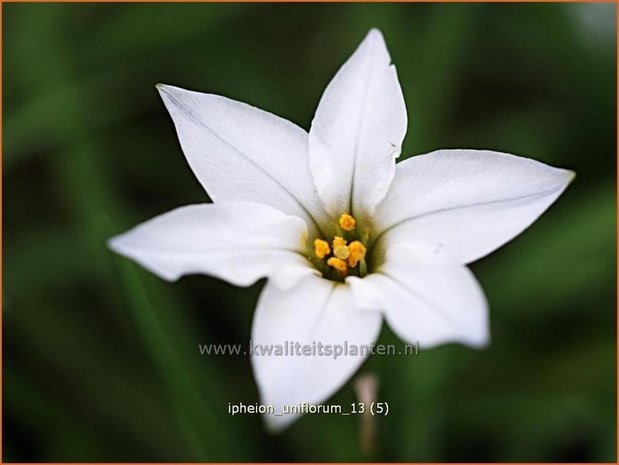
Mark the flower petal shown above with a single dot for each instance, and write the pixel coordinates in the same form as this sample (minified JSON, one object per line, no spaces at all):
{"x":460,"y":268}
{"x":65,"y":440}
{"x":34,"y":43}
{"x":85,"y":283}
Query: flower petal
{"x":316,"y":311}
{"x":358,"y":131}
{"x":239,"y":242}
{"x":241,"y":153}
{"x":426,"y":297}
{"x":469,"y":201}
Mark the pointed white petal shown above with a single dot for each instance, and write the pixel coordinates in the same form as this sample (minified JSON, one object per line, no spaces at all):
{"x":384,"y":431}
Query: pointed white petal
{"x":241,"y":153}
{"x":239,"y":242}
{"x":358,"y":131}
{"x":316,"y":311}
{"x":468,"y":201}
{"x":426,"y":297}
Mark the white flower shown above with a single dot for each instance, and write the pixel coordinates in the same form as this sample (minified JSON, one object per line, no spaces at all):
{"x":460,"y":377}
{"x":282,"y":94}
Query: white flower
{"x":344,"y":235}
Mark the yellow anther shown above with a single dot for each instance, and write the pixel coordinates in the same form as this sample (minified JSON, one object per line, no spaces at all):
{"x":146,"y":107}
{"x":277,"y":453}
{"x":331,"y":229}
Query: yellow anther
{"x":347,"y":222}
{"x":338,"y":242}
{"x":339,"y":264}
{"x":357,"y":253}
{"x":341,"y":251}
{"x":321,"y":248}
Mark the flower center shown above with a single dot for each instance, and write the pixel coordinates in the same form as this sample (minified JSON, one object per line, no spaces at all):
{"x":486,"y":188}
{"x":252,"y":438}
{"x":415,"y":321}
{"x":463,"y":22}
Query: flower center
{"x":342,"y":255}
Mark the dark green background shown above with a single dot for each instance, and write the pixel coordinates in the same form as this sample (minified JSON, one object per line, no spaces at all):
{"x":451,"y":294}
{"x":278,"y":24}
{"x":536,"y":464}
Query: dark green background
{"x":100,"y":357}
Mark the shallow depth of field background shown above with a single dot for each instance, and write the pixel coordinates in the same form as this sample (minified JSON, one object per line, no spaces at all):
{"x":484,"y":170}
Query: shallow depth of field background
{"x":100,"y":357}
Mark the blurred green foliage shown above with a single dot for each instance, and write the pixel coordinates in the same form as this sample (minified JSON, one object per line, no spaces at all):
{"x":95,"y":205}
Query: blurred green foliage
{"x":100,"y":357}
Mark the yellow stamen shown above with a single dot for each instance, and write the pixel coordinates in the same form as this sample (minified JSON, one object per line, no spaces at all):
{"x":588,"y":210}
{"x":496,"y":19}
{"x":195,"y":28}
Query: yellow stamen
{"x":321,"y":248}
{"x":341,"y":251}
{"x":347,"y":222}
{"x":338,"y":242}
{"x":357,"y":253}
{"x":338,"y":264}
